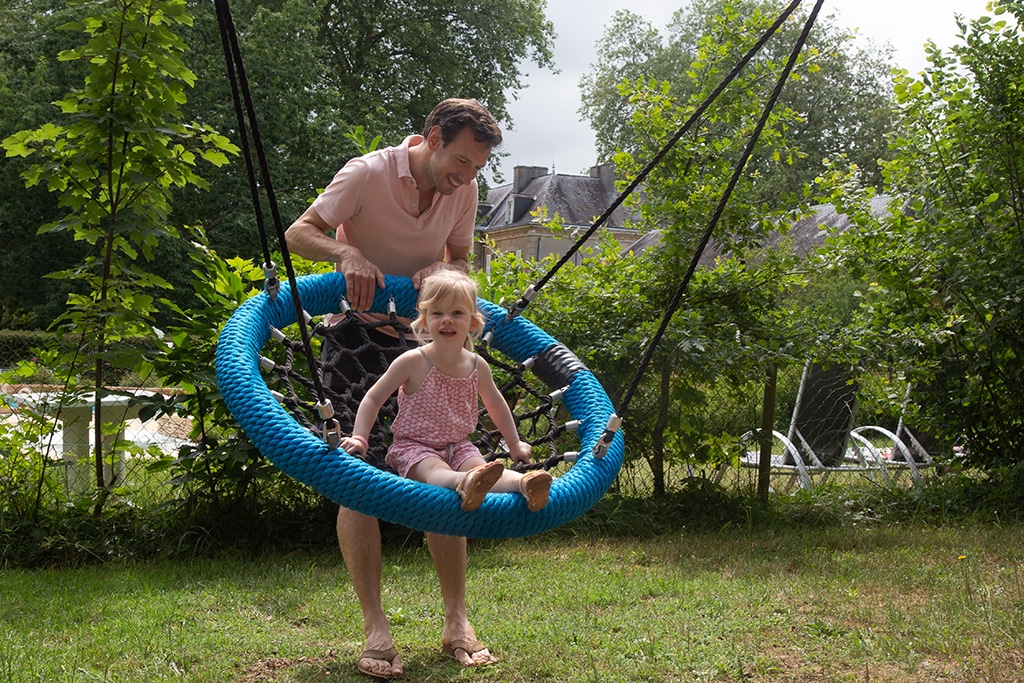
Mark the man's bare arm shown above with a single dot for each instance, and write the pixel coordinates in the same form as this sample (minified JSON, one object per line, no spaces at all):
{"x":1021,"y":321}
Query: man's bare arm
{"x":308,"y":238}
{"x":458,"y":258}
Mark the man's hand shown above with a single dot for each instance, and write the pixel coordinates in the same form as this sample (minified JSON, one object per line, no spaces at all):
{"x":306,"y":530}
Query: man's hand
{"x":308,"y":238}
{"x":420,"y":276}
{"x":361,"y":279}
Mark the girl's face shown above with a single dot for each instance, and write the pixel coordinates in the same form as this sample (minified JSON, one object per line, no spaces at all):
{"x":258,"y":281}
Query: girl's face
{"x":450,"y":318}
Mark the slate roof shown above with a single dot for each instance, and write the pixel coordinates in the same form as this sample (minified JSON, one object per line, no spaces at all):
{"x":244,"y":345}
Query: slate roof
{"x":807,"y":234}
{"x":579,"y":200}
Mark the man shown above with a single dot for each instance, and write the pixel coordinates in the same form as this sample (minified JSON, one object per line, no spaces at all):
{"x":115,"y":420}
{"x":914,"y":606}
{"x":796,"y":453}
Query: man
{"x":408,"y":211}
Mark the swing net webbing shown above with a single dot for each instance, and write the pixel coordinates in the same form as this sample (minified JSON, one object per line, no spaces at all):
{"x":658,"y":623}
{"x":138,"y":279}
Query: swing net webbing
{"x":536,"y":411}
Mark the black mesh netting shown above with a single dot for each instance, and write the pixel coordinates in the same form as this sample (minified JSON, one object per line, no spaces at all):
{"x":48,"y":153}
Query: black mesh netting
{"x":354,"y":354}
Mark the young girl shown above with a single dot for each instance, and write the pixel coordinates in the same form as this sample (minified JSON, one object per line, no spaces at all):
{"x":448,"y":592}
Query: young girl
{"x":438,"y":384}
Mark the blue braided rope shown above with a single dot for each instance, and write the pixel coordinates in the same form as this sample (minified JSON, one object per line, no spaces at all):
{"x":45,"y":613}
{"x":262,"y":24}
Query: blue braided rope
{"x":351,"y":482}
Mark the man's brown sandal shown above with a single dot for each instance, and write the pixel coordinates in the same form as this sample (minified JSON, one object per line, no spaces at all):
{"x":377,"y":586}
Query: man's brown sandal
{"x":470,"y":647}
{"x":388,"y":656}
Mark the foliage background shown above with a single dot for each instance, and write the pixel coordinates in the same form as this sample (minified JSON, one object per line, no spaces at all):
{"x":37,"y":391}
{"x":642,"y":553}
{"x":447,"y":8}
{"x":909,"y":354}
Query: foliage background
{"x":927,"y":297}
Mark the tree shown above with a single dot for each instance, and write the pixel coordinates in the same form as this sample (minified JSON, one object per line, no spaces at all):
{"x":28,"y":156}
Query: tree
{"x":840,"y":97}
{"x":945,"y":272}
{"x":112,"y":166}
{"x":379,"y":65}
{"x":630,"y":51}
{"x":30,"y":80}
{"x":737,"y":321}
{"x":318,"y":69}
{"x":698,"y":396}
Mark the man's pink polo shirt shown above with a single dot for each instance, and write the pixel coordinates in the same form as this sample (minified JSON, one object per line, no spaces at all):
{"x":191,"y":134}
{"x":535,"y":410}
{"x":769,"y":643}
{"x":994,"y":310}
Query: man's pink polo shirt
{"x":374,"y":200}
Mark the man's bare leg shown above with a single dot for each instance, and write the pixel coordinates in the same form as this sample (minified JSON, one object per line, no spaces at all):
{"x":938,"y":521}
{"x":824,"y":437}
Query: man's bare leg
{"x":449,"y":553}
{"x":359,"y":540}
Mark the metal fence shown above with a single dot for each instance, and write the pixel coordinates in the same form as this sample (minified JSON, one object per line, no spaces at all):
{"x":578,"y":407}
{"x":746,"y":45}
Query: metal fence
{"x":48,"y":439}
{"x":827,"y":423}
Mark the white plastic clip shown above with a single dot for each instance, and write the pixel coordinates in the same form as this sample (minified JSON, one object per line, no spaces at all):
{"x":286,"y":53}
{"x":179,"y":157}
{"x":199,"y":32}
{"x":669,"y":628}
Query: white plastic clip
{"x":570,"y":456}
{"x":487,"y":338}
{"x":601,"y":447}
{"x":278,"y":396}
{"x":392,"y":308}
{"x":267,"y":364}
{"x":572,"y":425}
{"x":557,"y":394}
{"x":277,"y":335}
{"x":529,"y":362}
{"x":344,"y":305}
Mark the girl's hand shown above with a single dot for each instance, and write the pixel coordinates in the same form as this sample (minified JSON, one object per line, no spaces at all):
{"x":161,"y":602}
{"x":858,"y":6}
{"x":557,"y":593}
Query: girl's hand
{"x":354,"y":444}
{"x":521,"y":452}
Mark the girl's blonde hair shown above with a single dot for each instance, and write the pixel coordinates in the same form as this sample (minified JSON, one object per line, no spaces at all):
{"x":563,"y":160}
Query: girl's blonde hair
{"x":441,"y":286}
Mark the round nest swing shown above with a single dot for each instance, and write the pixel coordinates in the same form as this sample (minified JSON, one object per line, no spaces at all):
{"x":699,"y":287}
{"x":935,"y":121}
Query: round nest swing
{"x":359,"y":485}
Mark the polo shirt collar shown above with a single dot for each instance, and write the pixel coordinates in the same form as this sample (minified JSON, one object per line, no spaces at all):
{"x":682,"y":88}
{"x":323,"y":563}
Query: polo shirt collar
{"x":402,"y":158}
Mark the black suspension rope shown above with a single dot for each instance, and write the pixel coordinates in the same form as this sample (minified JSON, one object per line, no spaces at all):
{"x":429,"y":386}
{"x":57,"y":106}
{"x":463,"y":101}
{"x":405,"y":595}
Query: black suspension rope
{"x":227,"y":41}
{"x":538,"y":419}
{"x":240,"y":90}
{"x":233,"y":57}
{"x":518,"y":307}
{"x":719,"y":210}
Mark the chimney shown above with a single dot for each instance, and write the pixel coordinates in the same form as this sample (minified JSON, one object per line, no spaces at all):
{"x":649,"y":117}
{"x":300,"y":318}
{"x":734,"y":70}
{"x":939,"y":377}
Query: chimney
{"x":522,"y":175}
{"x":606,"y":173}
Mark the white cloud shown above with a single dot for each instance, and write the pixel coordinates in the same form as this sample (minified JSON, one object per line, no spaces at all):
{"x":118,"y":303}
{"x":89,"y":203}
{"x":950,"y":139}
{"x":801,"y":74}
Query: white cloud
{"x":548,"y":131}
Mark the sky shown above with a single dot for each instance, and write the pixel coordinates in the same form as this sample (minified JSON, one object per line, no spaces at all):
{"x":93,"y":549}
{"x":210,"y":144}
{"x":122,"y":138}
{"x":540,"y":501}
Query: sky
{"x":548,"y":131}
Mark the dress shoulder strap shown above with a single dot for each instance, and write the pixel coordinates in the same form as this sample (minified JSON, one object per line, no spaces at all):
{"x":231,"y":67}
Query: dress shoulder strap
{"x":430,"y":363}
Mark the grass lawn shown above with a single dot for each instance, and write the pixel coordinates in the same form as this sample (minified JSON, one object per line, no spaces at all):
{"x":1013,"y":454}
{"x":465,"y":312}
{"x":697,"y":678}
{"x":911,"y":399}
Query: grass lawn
{"x":843,"y":603}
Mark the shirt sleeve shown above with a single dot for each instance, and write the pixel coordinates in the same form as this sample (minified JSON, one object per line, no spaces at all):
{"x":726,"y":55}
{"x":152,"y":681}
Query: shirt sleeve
{"x":343,"y":197}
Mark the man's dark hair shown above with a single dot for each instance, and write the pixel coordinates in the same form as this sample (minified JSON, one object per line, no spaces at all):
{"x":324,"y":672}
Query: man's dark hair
{"x":454,"y":114}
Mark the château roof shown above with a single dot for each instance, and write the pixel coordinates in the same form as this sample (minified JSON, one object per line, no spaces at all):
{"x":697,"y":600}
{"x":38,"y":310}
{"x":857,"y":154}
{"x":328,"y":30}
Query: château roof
{"x":579,"y":200}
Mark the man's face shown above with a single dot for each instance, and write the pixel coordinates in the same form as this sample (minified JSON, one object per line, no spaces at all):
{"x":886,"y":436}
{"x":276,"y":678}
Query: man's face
{"x":456,"y":163}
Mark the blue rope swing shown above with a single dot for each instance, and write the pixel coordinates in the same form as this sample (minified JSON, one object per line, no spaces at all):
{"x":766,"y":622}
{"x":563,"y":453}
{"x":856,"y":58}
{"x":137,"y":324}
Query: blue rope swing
{"x":354,"y":483}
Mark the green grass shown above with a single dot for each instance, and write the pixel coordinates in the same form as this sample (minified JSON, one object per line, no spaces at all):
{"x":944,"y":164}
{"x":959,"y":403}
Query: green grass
{"x":846,"y":602}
